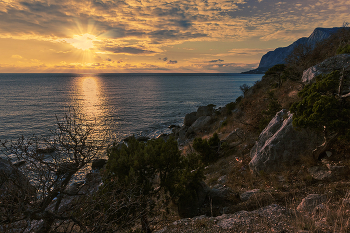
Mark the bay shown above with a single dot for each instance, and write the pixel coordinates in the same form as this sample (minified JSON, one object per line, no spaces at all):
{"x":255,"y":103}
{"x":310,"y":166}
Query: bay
{"x":139,"y":104}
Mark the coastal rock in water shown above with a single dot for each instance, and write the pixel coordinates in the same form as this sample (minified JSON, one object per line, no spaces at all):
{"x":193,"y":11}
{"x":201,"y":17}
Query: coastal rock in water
{"x":190,"y":118}
{"x":280,"y":144}
{"x":337,"y":62}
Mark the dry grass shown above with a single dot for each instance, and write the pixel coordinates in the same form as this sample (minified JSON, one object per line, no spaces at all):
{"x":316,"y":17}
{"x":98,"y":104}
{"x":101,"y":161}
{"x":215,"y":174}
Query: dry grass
{"x":287,"y":187}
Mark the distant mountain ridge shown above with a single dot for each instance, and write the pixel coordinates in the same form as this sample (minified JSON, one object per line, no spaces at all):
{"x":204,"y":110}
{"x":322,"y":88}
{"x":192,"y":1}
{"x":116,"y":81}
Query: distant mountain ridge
{"x":279,"y":55}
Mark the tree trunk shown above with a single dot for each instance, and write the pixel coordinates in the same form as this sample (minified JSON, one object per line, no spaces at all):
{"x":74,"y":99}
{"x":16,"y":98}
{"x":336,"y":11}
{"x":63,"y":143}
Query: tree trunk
{"x":145,"y":224}
{"x":322,"y":148}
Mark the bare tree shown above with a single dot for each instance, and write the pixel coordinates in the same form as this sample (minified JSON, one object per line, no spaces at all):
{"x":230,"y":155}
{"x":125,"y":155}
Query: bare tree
{"x":51,"y":165}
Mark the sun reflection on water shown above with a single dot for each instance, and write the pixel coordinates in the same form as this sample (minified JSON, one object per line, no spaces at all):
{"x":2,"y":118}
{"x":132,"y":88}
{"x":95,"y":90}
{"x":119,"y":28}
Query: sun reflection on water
{"x":91,"y":97}
{"x":89,"y":100}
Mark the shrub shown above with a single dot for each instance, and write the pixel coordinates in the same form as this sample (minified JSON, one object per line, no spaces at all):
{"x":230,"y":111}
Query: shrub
{"x":323,"y":108}
{"x":208,"y":149}
{"x":276,"y":69}
{"x":343,"y":49}
{"x":244,"y":88}
{"x":155,"y":172}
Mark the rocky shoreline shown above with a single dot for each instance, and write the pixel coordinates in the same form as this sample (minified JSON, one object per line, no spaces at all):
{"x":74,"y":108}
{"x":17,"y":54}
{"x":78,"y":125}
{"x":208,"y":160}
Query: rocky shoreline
{"x":264,"y":180}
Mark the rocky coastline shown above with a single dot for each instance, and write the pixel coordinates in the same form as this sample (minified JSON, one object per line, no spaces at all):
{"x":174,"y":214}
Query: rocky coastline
{"x":265,"y":179}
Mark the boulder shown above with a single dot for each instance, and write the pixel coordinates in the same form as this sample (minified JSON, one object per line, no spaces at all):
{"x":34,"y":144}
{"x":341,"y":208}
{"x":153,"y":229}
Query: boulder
{"x":246,"y":195}
{"x":235,"y":135}
{"x":208,"y":201}
{"x":205,"y":111}
{"x":320,"y":173}
{"x":272,"y":218}
{"x":13,"y":180}
{"x":337,"y":62}
{"x":218,"y":200}
{"x":190,"y":118}
{"x":180,"y":134}
{"x":200,"y":124}
{"x":329,"y":171}
{"x":280,"y":144}
{"x":309,"y":203}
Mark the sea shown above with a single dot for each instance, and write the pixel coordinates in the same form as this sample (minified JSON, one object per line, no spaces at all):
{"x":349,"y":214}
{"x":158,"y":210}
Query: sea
{"x":128,"y":104}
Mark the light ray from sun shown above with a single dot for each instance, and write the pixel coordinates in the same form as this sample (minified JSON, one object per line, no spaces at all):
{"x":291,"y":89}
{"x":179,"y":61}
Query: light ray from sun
{"x":83,"y":42}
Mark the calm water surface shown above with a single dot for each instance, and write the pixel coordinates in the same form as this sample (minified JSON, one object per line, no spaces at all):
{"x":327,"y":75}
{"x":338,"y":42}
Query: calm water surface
{"x":140,"y":104}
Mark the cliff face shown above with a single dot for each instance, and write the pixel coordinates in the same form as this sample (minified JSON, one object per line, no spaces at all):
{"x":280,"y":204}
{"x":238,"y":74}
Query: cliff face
{"x":279,"y":55}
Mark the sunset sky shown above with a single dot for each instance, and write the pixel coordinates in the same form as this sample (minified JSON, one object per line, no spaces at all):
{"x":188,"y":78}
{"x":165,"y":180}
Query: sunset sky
{"x":154,"y":35}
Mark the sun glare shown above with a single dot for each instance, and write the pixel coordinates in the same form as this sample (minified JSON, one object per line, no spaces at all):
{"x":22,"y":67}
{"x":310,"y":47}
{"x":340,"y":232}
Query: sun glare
{"x":83,"y":42}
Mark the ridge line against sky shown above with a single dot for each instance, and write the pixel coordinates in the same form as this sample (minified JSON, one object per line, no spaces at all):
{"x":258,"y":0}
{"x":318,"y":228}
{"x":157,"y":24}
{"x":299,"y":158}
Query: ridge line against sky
{"x":154,"y":36}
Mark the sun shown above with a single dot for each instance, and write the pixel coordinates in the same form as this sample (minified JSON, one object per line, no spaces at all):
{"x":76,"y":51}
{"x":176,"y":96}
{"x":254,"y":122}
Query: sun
{"x":83,"y":42}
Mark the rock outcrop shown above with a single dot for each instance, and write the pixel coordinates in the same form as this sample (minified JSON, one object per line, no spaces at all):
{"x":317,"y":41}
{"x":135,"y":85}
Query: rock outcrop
{"x":272,"y":218}
{"x":194,"y":123}
{"x":209,"y":201}
{"x":280,"y":144}
{"x":309,"y":203}
{"x":337,"y":62}
{"x":13,"y":180}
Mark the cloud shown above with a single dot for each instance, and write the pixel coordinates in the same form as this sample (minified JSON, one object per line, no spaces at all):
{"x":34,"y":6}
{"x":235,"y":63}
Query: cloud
{"x":126,"y":50}
{"x":229,"y":67}
{"x":171,"y":62}
{"x":149,"y":28}
{"x":218,"y":60}
{"x":16,"y":56}
{"x":248,"y":51}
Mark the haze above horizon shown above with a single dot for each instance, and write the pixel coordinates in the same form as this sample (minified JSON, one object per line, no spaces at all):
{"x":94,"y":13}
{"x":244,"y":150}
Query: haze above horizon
{"x":144,"y":36}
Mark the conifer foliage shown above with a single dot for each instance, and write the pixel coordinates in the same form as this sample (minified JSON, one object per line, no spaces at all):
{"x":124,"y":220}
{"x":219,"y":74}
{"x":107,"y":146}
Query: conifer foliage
{"x":324,"y":107}
{"x":153,"y":173}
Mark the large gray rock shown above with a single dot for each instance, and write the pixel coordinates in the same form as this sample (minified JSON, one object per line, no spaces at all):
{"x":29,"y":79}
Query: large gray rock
{"x":246,"y":195}
{"x":235,"y":135}
{"x":320,"y":173}
{"x":13,"y":181}
{"x":205,"y":111}
{"x":200,"y":124}
{"x":337,"y":62}
{"x":280,"y":144}
{"x":309,"y":203}
{"x":190,"y":118}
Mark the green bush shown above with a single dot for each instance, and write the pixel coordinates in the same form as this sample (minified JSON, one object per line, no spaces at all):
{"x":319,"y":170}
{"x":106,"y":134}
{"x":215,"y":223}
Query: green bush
{"x":154,"y":172}
{"x":230,"y":106}
{"x":321,"y":108}
{"x":239,"y":99}
{"x":207,"y":149}
{"x":343,"y":49}
{"x":276,"y":69}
